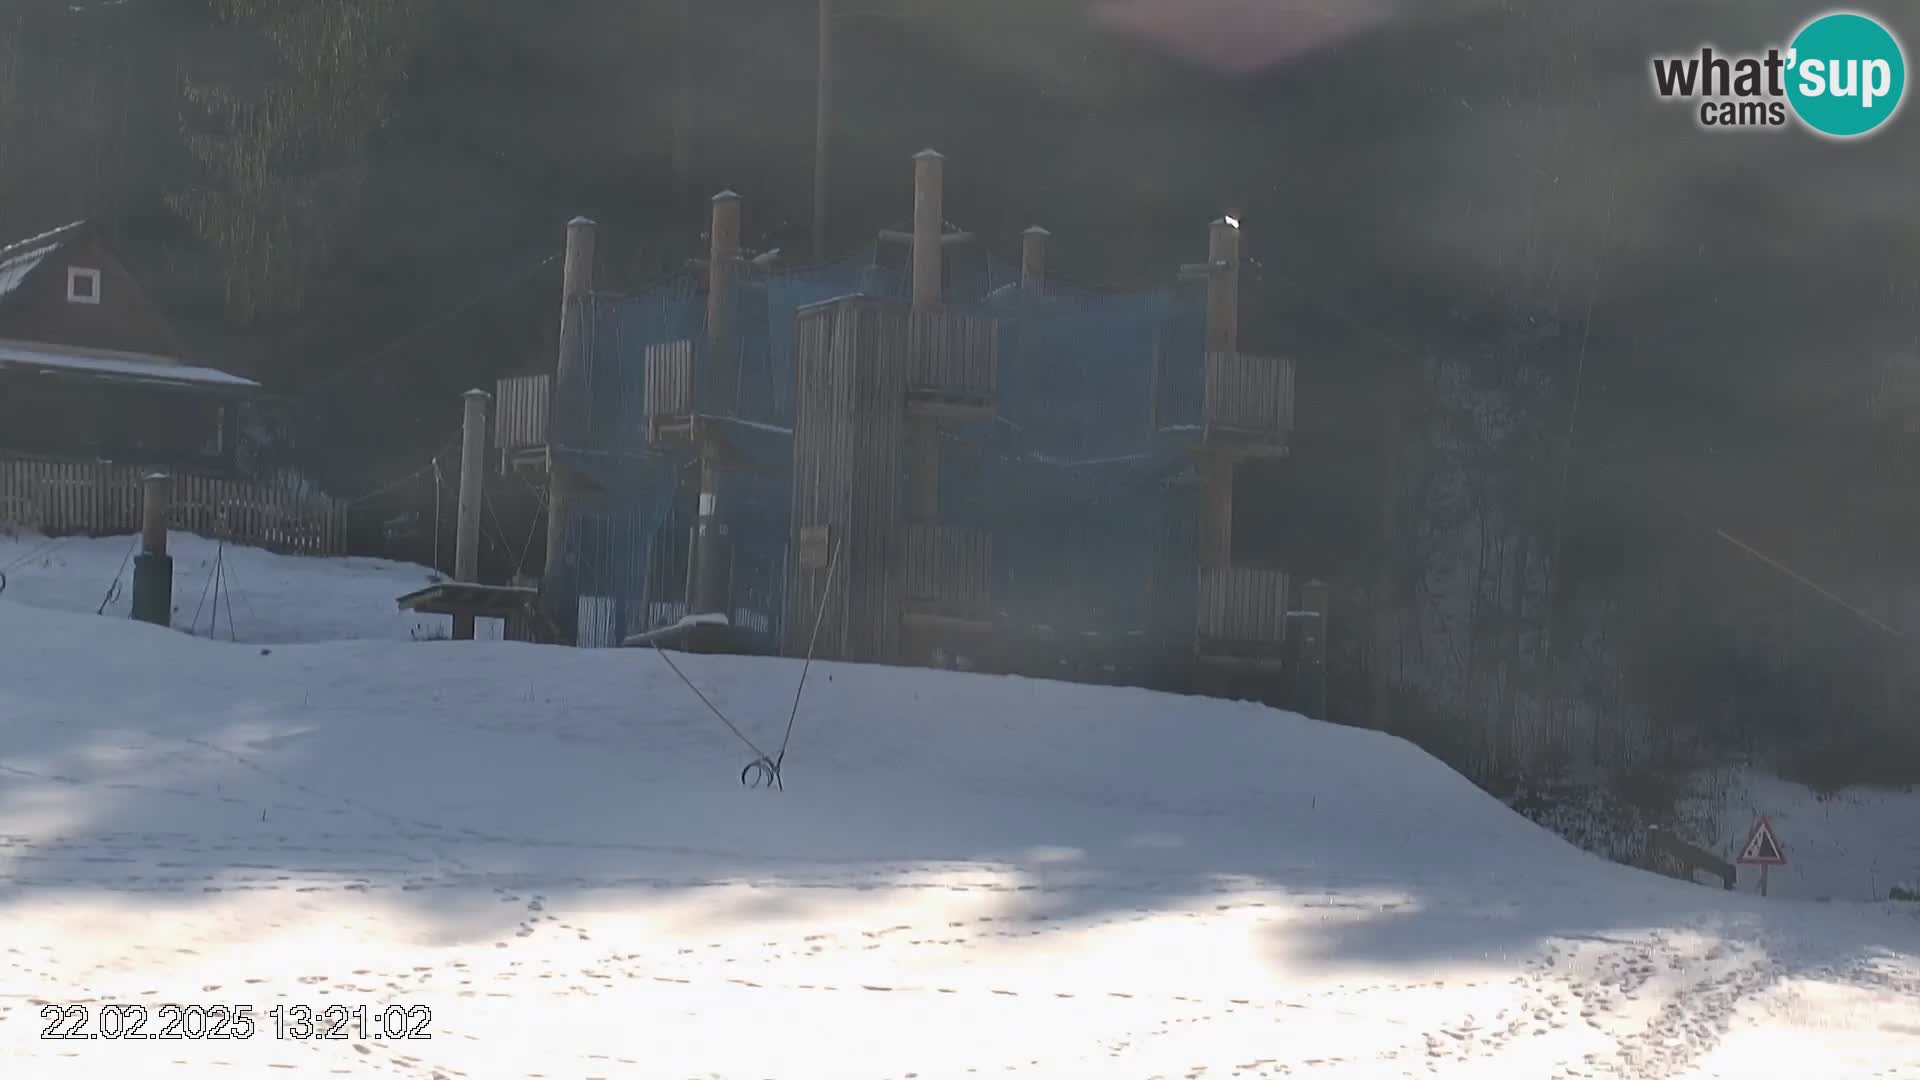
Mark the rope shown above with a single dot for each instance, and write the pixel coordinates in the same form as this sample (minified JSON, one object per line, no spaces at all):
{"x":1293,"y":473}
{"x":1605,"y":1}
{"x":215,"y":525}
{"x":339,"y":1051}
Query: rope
{"x":1809,"y":583}
{"x":45,"y":545}
{"x":819,"y":617}
{"x":715,"y":709}
{"x":194,"y":626}
{"x":220,"y":567}
{"x":113,"y":590}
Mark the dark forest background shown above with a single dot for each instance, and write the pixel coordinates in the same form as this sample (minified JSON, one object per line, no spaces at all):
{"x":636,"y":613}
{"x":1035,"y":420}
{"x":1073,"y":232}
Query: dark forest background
{"x":1610,"y":426}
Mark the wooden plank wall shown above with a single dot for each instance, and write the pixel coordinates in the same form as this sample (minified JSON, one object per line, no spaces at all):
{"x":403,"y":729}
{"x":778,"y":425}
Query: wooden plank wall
{"x":948,"y":568}
{"x":820,"y":483}
{"x":103,"y":499}
{"x":1238,"y":604}
{"x":1249,"y":393}
{"x":953,"y":353}
{"x":669,"y":387}
{"x":878,"y":509}
{"x":849,"y":463}
{"x":520,"y":414}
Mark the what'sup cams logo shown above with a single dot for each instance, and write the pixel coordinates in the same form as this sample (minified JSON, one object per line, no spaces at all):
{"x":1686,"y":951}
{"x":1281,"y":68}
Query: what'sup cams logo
{"x":1843,"y":76}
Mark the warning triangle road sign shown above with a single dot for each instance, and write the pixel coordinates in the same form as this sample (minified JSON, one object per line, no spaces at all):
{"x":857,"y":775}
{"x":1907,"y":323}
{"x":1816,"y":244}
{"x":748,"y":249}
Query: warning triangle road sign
{"x":1763,"y":848}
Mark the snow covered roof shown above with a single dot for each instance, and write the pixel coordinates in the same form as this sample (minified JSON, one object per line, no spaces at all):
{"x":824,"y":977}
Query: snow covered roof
{"x":15,"y":269}
{"x":54,"y":237}
{"x":19,"y":259}
{"x":117,"y":366}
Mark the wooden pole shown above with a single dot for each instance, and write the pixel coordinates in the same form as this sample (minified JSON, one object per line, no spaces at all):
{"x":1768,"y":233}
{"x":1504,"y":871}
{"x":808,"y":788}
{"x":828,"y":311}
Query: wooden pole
{"x":1033,"y":261}
{"x":723,"y":255}
{"x":466,"y":543}
{"x":929,"y":221}
{"x":568,"y":398}
{"x":722,"y":378}
{"x":153,"y":567}
{"x":1223,"y":286}
{"x":158,"y":497}
{"x":822,"y":129}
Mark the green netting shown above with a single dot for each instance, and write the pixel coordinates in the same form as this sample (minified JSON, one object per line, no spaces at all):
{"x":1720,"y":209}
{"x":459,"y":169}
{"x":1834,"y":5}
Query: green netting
{"x":1072,"y":476}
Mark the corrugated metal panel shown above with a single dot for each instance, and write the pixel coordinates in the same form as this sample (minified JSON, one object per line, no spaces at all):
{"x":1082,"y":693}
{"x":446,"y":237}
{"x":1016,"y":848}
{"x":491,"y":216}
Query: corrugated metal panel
{"x":101,"y":498}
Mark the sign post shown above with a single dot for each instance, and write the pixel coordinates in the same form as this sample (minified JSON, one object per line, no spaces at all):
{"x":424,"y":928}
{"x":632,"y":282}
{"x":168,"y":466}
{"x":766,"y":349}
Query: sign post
{"x":1763,"y":850}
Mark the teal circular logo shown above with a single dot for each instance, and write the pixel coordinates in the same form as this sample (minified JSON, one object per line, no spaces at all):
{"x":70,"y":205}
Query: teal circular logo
{"x":1846,"y":75}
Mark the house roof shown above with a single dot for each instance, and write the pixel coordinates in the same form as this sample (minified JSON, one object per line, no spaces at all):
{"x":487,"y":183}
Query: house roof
{"x":18,"y":260}
{"x":60,"y":360}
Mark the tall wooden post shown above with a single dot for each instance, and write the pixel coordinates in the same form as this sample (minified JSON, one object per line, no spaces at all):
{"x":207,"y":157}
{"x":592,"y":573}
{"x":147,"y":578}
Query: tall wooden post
{"x":722,"y":382}
{"x":822,"y":128}
{"x":153,"y":567}
{"x":466,"y":542}
{"x":929,"y":225}
{"x":1033,"y":261}
{"x":723,"y":257}
{"x":929,"y":222}
{"x":1223,"y":286}
{"x":1223,"y":336}
{"x":567,"y":401}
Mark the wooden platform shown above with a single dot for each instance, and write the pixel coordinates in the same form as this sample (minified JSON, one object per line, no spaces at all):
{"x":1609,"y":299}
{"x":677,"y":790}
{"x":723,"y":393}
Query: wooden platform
{"x":519,"y":605}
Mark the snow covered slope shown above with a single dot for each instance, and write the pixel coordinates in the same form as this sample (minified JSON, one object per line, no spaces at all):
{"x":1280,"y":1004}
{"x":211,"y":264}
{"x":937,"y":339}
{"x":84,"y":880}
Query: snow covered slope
{"x":265,"y":597}
{"x":550,"y":850}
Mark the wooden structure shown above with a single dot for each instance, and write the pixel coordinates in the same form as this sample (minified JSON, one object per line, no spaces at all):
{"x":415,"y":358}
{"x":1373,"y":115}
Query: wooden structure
{"x":94,"y":393}
{"x":994,"y":469}
{"x":1664,"y":847}
{"x":879,"y":382}
{"x":1241,"y":407}
{"x":519,"y":605}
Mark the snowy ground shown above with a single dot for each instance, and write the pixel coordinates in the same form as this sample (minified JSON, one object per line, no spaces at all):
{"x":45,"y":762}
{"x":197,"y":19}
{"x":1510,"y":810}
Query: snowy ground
{"x":265,"y":598}
{"x":1855,"y":844}
{"x":550,"y":850}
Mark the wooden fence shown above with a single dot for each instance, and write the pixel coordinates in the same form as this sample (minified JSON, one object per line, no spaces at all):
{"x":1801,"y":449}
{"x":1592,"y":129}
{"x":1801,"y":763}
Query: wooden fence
{"x":1243,"y":606}
{"x":103,"y":499}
